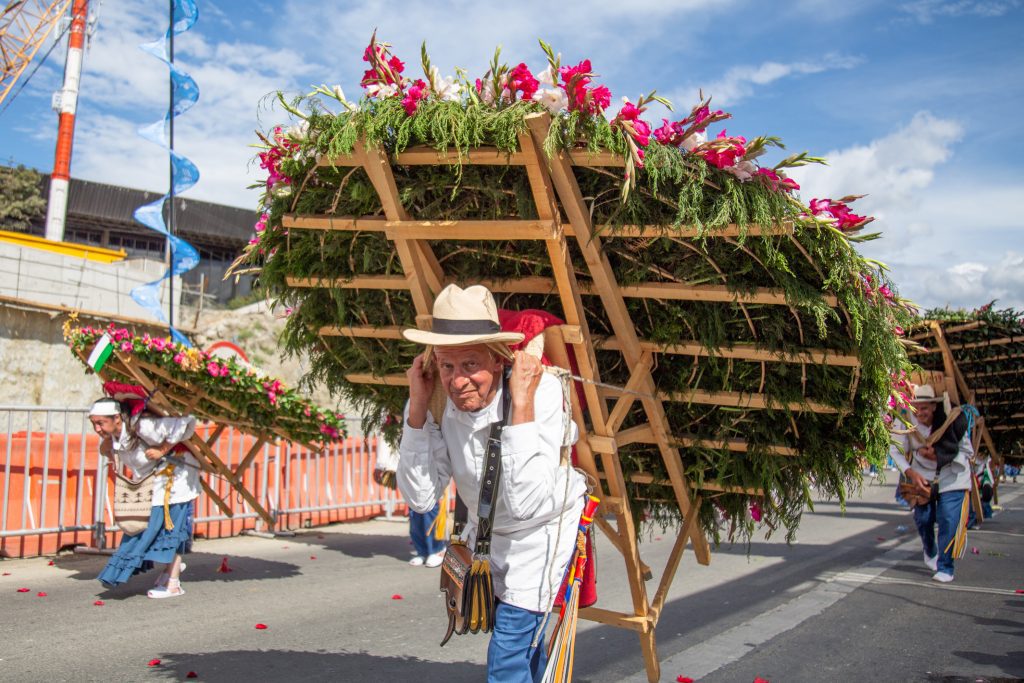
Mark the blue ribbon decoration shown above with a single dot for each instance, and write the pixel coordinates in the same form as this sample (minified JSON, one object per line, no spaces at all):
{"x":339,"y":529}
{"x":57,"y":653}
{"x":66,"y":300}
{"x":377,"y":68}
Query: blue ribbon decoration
{"x":184,"y":174}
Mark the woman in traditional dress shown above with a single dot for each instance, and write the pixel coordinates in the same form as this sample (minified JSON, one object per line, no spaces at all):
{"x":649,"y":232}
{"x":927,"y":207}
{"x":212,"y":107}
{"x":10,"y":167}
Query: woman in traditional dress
{"x":147,"y":444}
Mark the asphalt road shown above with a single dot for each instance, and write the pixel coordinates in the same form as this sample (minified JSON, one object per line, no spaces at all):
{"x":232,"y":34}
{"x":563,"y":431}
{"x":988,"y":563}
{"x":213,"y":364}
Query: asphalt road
{"x":850,"y":601}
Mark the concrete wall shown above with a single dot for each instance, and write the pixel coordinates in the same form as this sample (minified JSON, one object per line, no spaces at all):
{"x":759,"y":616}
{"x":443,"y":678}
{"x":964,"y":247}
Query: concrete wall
{"x":45,"y":277}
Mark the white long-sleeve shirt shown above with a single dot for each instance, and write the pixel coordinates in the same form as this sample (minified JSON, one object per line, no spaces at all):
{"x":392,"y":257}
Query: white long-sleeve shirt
{"x":537,"y":501}
{"x":153,"y":431}
{"x":956,"y":476}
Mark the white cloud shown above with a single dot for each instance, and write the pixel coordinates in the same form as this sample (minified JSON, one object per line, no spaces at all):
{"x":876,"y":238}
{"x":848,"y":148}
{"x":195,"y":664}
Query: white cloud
{"x":927,"y":11}
{"x":892,"y":170}
{"x":944,"y":237}
{"x":740,"y":82}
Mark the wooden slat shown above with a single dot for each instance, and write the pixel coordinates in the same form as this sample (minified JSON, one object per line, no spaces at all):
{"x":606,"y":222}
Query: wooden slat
{"x":380,"y":224}
{"x":471,"y":230}
{"x":422,"y":155}
{"x":644,"y":434}
{"x":643,"y":478}
{"x":363,"y":331}
{"x":604,"y":616}
{"x":734,"y":399}
{"x":327,"y":222}
{"x":359,"y":282}
{"x":1002,"y":341}
{"x":583,"y":157}
{"x":713,"y":293}
{"x":973,"y":325}
{"x":672,"y":565}
{"x":387,"y":380}
{"x":740,"y":351}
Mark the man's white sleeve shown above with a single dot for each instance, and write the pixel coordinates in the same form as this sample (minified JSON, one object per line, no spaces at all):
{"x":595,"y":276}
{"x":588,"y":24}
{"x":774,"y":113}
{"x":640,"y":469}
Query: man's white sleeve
{"x":424,"y":467}
{"x":533,"y":483}
{"x":899,"y":451}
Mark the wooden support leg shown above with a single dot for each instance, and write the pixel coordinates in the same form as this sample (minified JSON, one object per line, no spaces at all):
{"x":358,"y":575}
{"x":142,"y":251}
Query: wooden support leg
{"x":649,"y":649}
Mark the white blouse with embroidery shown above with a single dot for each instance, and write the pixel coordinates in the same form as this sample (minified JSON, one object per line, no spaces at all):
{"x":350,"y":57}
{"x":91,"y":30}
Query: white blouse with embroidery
{"x":153,"y":431}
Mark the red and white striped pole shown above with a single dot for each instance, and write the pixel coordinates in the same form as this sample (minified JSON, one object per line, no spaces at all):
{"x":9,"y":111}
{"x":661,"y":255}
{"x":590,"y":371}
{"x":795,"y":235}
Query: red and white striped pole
{"x":56,"y":209}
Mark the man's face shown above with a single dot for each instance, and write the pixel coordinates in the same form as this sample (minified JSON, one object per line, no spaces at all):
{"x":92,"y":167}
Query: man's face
{"x":925,"y":412}
{"x":469,"y":375}
{"x":106,"y":426}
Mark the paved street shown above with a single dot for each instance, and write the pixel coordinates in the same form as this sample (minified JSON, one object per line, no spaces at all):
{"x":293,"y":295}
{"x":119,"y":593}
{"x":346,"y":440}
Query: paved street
{"x":850,"y":601}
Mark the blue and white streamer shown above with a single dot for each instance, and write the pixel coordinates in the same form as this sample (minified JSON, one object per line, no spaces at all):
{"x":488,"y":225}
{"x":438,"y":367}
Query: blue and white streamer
{"x":184,"y":173}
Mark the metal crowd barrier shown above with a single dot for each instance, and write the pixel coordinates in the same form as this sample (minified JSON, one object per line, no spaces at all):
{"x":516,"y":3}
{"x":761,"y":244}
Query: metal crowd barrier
{"x":55,"y":487}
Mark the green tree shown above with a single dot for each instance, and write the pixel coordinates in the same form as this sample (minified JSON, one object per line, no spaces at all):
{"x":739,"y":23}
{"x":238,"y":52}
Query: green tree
{"x":21,"y":197}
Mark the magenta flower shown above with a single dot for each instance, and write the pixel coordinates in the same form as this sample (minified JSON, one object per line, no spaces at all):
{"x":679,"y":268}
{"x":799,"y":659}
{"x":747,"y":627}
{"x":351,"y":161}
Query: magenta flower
{"x":520,"y":80}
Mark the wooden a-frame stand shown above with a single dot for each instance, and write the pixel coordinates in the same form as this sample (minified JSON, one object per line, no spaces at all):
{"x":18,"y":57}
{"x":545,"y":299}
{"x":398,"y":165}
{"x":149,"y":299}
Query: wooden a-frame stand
{"x":171,"y":397}
{"x":960,"y":391}
{"x":563,"y":215}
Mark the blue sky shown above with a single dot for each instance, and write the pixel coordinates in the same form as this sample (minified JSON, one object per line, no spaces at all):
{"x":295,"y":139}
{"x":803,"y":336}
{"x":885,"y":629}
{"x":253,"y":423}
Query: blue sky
{"x":915,"y":103}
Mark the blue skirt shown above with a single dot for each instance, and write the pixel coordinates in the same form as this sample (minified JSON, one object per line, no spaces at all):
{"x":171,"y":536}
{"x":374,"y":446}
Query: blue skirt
{"x":138,"y":553}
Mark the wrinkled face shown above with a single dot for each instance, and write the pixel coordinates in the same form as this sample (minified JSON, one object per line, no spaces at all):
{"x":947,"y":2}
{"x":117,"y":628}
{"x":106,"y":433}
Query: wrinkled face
{"x":925,"y":412}
{"x":469,"y":375}
{"x":106,"y":425}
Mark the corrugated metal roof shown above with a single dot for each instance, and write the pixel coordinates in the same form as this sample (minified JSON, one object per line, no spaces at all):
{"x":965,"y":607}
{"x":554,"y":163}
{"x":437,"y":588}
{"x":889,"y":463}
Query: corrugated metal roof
{"x":98,"y":202}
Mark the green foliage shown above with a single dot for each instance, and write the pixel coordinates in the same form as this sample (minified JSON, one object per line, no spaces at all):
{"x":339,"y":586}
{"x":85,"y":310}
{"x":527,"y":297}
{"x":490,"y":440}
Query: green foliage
{"x":807,"y":263}
{"x":21,"y":197}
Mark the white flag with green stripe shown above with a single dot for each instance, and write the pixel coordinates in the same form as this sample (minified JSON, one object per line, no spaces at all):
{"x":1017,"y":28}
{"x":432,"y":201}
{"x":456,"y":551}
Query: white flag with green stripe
{"x":101,"y":352}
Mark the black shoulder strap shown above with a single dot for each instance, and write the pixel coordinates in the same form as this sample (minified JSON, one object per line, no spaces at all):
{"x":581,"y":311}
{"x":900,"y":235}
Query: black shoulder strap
{"x":490,"y":479}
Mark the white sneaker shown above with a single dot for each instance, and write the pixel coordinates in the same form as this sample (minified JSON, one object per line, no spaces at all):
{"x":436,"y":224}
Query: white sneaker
{"x":417,"y":561}
{"x":942,"y":577}
{"x":932,"y":563}
{"x":435,"y":560}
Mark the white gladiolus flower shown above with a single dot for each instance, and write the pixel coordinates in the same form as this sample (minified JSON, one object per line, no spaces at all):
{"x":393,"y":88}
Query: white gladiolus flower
{"x":547,"y":76}
{"x":553,"y":99}
{"x":445,"y":88}
{"x":743,"y":171}
{"x":381,"y":90}
{"x":338,"y":93}
{"x":693,"y":140}
{"x":298,"y":132}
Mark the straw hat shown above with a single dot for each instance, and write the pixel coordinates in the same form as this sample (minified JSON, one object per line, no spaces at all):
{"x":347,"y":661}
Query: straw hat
{"x":463,"y":317}
{"x":925,"y":393}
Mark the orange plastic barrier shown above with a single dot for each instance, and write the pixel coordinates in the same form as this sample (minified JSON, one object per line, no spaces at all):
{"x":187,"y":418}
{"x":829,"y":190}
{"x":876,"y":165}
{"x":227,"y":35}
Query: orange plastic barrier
{"x":306,"y":489}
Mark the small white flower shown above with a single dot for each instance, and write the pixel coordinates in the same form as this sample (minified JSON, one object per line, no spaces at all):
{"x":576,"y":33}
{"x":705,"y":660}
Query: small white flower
{"x":298,"y":132}
{"x":339,"y":94}
{"x":743,"y":171}
{"x":445,"y":88}
{"x":693,"y":140}
{"x":548,"y":75}
{"x":381,"y":90}
{"x":553,"y":99}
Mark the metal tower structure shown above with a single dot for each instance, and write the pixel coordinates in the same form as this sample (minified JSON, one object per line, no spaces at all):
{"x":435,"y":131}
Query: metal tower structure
{"x":24,"y":27}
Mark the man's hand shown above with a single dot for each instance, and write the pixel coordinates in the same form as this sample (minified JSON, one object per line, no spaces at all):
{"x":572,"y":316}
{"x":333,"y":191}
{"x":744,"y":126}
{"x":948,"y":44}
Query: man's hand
{"x":157,"y":452}
{"x":523,"y":383}
{"x":917,"y":479}
{"x":927,"y":452}
{"x":421,"y":388}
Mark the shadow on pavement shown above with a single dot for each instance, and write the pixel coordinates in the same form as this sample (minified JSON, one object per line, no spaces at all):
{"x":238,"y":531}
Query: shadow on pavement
{"x":246,"y":666}
{"x":357,"y":545}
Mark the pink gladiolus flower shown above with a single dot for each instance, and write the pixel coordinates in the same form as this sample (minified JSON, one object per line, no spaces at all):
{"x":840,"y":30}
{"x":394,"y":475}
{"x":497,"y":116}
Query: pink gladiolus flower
{"x":126,"y":346}
{"x":664,"y":134}
{"x":755,"y":511}
{"x":520,"y":80}
{"x":417,"y":92}
{"x":213,"y":369}
{"x":775,"y":181}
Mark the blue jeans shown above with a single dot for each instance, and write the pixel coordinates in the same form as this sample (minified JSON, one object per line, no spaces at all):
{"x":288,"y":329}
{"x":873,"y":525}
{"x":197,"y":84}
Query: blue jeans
{"x":422,"y":537}
{"x":510,"y":659}
{"x":946,"y":514}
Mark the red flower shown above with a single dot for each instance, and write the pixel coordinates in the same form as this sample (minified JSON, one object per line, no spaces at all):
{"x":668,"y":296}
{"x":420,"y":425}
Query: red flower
{"x":154,"y":662}
{"x":396,"y":596}
{"x":40,"y":594}
{"x":99,"y":603}
{"x":684,"y":679}
{"x":50,"y":563}
{"x":312,"y":557}
{"x":224,"y":568}
{"x":191,"y":674}
{"x":261,"y":627}
{"x":24,"y":590}
{"x":521,"y":80}
{"x":417,"y":93}
{"x":758,"y":679}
